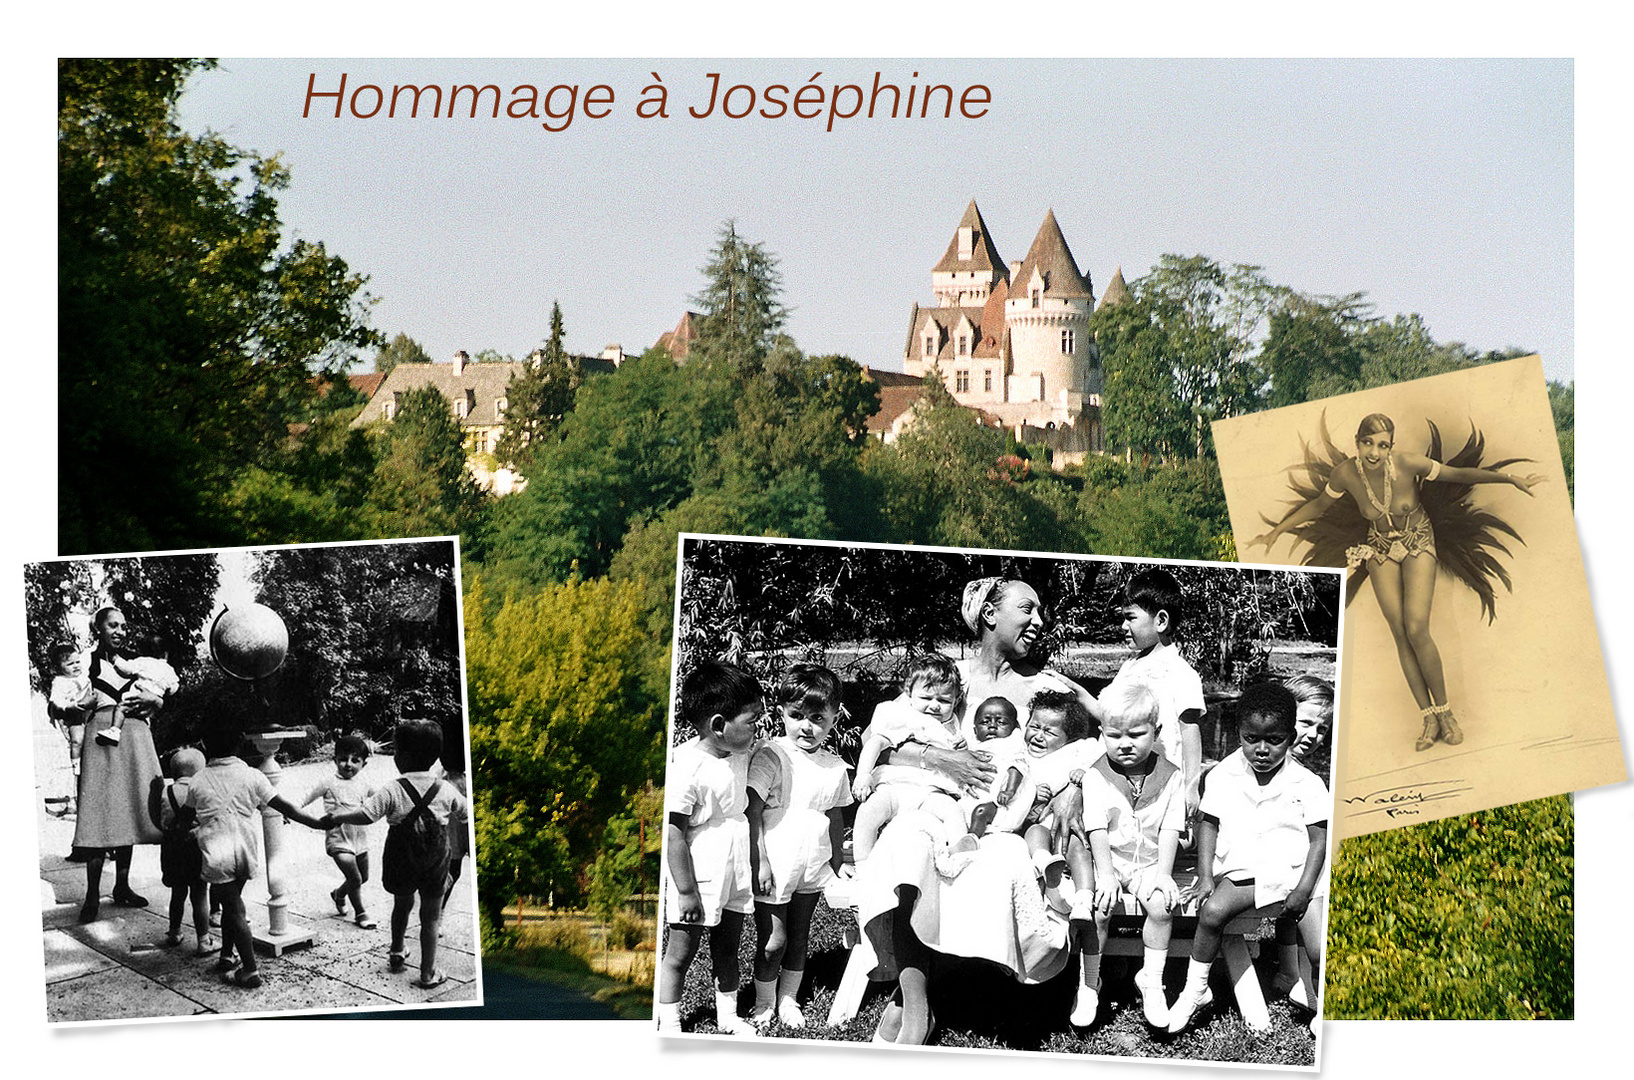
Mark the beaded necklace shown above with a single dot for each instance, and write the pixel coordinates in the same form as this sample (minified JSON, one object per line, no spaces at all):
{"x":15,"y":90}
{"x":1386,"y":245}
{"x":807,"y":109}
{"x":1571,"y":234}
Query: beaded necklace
{"x":1382,"y":507}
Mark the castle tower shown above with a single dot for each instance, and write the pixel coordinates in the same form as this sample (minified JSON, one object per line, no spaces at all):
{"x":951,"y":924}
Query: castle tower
{"x":1046,"y":317}
{"x":967,"y":273}
{"x":963,"y":336}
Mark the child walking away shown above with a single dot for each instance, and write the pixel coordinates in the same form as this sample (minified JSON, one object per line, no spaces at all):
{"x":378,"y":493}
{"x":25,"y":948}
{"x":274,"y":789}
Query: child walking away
{"x":1152,"y":609}
{"x":69,"y":702}
{"x":1134,"y":813}
{"x":1262,"y":839}
{"x":796,"y":791}
{"x":147,"y":671}
{"x":228,"y":795}
{"x":347,"y":844}
{"x":180,"y":861}
{"x":415,"y":863}
{"x":706,"y":839}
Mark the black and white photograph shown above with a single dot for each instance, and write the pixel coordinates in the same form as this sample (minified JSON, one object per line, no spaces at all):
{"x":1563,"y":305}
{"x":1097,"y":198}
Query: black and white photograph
{"x":1477,"y":679}
{"x":998,"y":800}
{"x":252,"y":792}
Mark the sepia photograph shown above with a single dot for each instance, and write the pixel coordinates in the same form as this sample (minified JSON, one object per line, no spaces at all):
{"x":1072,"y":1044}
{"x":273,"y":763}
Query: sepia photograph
{"x":253,"y":796}
{"x":998,"y":800}
{"x":1475,"y":672}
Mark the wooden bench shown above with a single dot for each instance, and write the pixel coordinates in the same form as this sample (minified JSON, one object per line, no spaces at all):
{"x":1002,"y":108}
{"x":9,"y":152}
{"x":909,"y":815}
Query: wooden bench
{"x":1123,"y":939}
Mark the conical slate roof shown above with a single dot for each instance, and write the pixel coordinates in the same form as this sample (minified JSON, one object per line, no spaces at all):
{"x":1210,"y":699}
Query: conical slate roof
{"x":1116,"y":290}
{"x":983,"y":255}
{"x":1049,"y":255}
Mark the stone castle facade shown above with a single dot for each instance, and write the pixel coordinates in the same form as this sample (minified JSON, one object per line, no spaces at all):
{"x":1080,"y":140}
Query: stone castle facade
{"x":1012,"y":340}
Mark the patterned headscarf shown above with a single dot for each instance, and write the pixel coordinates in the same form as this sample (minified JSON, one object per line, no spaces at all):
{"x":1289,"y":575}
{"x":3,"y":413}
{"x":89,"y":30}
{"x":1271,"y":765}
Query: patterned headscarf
{"x":976,"y":594}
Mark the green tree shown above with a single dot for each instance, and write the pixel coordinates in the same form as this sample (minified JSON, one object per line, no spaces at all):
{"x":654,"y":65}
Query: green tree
{"x":401,"y":349}
{"x":740,"y":299}
{"x":188,"y":331}
{"x":539,"y":398}
{"x":1563,"y":406}
{"x":563,"y":727}
{"x":1311,"y":345}
{"x":421,"y":486}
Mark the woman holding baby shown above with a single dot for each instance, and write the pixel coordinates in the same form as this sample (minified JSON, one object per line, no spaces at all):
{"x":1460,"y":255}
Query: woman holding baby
{"x":992,"y":909}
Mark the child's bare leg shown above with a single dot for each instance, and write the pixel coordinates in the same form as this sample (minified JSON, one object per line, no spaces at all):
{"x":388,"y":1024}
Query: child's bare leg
{"x":1228,"y":900}
{"x":235,"y":927}
{"x":682,"y":946}
{"x":178,"y":907}
{"x":1041,"y":846}
{"x":873,"y":815}
{"x":402,"y":906}
{"x":431,"y":913}
{"x":352,"y":879}
{"x":945,"y":809}
{"x":201,"y":914}
{"x":771,"y":939}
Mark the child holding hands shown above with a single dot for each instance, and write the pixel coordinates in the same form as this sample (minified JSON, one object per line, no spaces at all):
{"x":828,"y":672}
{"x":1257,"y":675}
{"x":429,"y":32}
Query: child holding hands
{"x":181,"y":863}
{"x":228,"y":795}
{"x":797,"y":789}
{"x":347,"y":844}
{"x":706,"y":839}
{"x":1262,"y":838}
{"x":415,"y":863}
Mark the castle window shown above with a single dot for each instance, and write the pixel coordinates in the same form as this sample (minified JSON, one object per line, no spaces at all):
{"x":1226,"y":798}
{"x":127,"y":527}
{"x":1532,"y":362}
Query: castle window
{"x":961,"y":382}
{"x":460,"y":409}
{"x":1067,"y":340}
{"x":500,"y":405}
{"x":987,"y":380}
{"x":930,"y":344}
{"x":1038,"y":296}
{"x":964,"y":344}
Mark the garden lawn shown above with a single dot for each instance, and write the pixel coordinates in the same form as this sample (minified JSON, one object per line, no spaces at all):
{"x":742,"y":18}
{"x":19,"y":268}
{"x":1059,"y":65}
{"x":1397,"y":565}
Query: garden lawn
{"x":989,"y":1009}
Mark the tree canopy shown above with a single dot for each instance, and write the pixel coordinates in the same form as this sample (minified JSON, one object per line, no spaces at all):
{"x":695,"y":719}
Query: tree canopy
{"x":189,"y":332}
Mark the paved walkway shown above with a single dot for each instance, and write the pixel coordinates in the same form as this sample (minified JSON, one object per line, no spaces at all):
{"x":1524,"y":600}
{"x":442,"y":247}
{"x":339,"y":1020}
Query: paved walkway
{"x":117,"y":967}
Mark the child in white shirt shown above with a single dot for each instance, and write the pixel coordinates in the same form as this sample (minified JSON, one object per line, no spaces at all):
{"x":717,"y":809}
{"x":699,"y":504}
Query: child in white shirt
{"x":708,"y":884}
{"x":148,"y":672}
{"x":1262,"y":839}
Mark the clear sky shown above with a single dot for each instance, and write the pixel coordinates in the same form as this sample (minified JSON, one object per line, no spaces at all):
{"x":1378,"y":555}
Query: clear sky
{"x":1442,"y":187}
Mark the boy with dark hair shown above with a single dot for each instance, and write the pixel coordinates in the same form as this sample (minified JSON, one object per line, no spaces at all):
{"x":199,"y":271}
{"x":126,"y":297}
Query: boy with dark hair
{"x":347,"y":844}
{"x":1262,"y":839}
{"x":708,"y":883}
{"x":1152,"y":607}
{"x":415,"y":863}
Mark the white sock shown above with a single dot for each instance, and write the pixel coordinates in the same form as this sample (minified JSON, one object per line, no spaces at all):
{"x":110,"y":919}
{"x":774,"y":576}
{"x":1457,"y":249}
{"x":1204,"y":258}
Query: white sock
{"x":788,"y":985}
{"x":1197,"y":974}
{"x":1092,"y":969}
{"x":726,"y":1008}
{"x":765,"y":995}
{"x":669,"y":1016}
{"x":1152,"y":969}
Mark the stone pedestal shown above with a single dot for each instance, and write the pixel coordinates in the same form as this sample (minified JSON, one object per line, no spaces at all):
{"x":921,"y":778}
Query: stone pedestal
{"x":281,"y":932}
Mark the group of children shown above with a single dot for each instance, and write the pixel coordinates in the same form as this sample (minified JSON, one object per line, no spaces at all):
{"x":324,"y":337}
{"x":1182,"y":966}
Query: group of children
{"x":758,"y":826}
{"x":210,"y":815}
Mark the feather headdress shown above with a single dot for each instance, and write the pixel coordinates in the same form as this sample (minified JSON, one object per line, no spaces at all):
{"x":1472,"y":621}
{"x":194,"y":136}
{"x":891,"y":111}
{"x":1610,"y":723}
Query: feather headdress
{"x":1467,"y":537}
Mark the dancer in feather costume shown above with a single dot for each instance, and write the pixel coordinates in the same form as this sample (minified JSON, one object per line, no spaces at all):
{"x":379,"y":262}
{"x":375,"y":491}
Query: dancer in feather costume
{"x":1406,"y":513}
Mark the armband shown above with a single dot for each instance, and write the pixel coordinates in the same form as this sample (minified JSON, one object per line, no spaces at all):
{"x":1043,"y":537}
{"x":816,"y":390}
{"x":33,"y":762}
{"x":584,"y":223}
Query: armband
{"x":1333,"y":493}
{"x":1434,"y":471}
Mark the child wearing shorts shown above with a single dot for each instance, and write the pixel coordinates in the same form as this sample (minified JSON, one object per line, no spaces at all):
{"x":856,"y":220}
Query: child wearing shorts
{"x":347,"y":844}
{"x":797,"y":789}
{"x":1262,"y":839}
{"x":706,"y":839}
{"x":1134,"y":813}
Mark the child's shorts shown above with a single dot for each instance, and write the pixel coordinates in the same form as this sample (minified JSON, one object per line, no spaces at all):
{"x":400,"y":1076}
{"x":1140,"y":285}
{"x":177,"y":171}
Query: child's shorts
{"x":720,"y":863}
{"x":1137,"y":881}
{"x":346,"y":840}
{"x":181,"y":864}
{"x":799,"y":850}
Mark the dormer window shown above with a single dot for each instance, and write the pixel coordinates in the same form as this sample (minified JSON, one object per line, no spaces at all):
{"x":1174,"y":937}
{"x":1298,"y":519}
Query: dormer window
{"x":964,"y":344}
{"x":500,"y":405}
{"x":930,"y":345}
{"x":1037,"y":296}
{"x":460,"y":409}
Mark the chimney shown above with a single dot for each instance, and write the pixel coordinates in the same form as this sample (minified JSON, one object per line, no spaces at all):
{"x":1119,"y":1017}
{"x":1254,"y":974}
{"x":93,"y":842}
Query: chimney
{"x":461,"y":358}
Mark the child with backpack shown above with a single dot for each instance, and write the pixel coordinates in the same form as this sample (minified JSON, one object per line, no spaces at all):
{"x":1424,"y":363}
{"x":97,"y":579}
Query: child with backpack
{"x":415,"y":863}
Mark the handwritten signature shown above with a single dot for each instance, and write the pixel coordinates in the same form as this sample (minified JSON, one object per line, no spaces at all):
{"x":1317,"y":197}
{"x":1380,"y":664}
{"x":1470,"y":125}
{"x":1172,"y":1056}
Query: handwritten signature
{"x":1408,"y":799}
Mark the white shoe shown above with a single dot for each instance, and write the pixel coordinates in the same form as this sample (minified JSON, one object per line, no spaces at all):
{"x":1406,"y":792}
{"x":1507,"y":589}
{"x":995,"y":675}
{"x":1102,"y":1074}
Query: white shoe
{"x":1187,"y":1005}
{"x":760,"y":1018}
{"x":1153,"y":1003}
{"x":1084,"y":1006}
{"x":790,"y":1014}
{"x":733,"y":1024}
